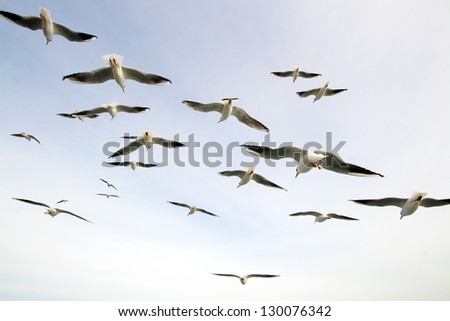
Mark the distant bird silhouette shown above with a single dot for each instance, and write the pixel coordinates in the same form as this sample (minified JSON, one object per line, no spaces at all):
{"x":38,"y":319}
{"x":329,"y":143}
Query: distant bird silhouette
{"x":247,"y":176}
{"x":108,"y":183}
{"x":319,"y":217}
{"x":26,"y":136}
{"x":192,"y":209}
{"x":295,"y":74}
{"x":244,"y":278}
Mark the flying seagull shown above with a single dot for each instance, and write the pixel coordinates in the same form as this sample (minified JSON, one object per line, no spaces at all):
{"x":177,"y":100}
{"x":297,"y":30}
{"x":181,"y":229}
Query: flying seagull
{"x":244,"y":278}
{"x":48,"y":26}
{"x":147,"y":140}
{"x":192,"y":209}
{"x":112,"y":109}
{"x":319,"y":217}
{"x":320,"y":92}
{"x":61,"y":201}
{"x":247,"y":176}
{"x":308,"y":159}
{"x":295,"y":74}
{"x":108,"y":183}
{"x":117,"y":72}
{"x":26,"y":136}
{"x":226,"y":108}
{"x":408,"y":205}
{"x":132,"y":164}
{"x":52,"y":211}
{"x":107,"y":195}
{"x":73,"y":116}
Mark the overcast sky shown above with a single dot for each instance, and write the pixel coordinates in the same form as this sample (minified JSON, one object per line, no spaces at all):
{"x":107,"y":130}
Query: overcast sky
{"x":393,"y":56}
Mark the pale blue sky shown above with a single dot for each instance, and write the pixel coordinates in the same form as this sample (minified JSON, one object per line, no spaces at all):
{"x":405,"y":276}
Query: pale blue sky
{"x":393,"y":56}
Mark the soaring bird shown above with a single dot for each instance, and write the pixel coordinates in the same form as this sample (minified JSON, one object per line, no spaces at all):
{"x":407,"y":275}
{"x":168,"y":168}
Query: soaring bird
{"x":52,"y":211}
{"x":107,"y":195}
{"x":320,"y":92}
{"x":115,"y":71}
{"x":408,"y":205}
{"x":244,"y":278}
{"x":113,"y":109}
{"x":132,"y":164}
{"x":108,"y":183}
{"x":295,"y":74}
{"x":147,"y":140}
{"x":319,"y":217}
{"x":308,"y":159}
{"x":227,"y":108}
{"x":48,"y":26}
{"x":26,"y":136}
{"x":61,"y":201}
{"x":192,"y":209}
{"x":247,"y":176}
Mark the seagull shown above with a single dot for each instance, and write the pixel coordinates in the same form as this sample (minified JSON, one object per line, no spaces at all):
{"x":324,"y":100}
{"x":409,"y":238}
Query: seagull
{"x":132,"y":164}
{"x":408,"y":205}
{"x":192,"y":209}
{"x":26,"y":136}
{"x":226,"y":108}
{"x":112,"y":109}
{"x":48,"y":26}
{"x":52,"y":211}
{"x":295,"y":74}
{"x":244,"y":278}
{"x":117,"y":72}
{"x":61,"y":201}
{"x":319,"y":217}
{"x":72,"y":115}
{"x":331,"y":161}
{"x":247,"y":176}
{"x":108,"y":183}
{"x":107,"y":195}
{"x":320,"y":92}
{"x":147,"y":139}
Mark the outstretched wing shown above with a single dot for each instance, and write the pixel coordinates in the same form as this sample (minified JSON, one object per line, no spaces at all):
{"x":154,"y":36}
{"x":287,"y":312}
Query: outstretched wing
{"x":145,"y":165}
{"x":206,"y":212}
{"x":331,"y":92}
{"x":167,"y":143}
{"x":283,"y":73}
{"x":96,"y":76}
{"x":131,"y":147}
{"x":315,"y":214}
{"x":179,"y":204}
{"x":232,"y":173}
{"x":30,"y":202}
{"x":73,"y":214}
{"x":32,"y":137}
{"x":129,"y":109}
{"x":431,"y":202}
{"x":226,"y":274}
{"x":91,"y":112}
{"x":30,"y":22}
{"x":71,"y":35}
{"x":341,"y":217}
{"x":137,"y":75}
{"x":388,"y":201}
{"x":308,"y":92}
{"x":262,"y":276}
{"x":262,"y":180}
{"x":304,"y":74}
{"x":245,"y":118}
{"x":204,"y":108}
{"x":277,"y":153}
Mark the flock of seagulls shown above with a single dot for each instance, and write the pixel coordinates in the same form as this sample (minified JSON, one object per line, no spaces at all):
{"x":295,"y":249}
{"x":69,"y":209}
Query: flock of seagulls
{"x":306,"y":159}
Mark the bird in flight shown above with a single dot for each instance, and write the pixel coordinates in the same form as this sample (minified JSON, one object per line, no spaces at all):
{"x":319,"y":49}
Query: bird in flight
{"x":132,"y":164}
{"x":107,"y":195}
{"x":26,"y":136}
{"x":113,"y":109}
{"x":247,"y":176}
{"x":115,"y":71}
{"x":227,"y":108}
{"x":108,"y":183}
{"x":295,"y":74}
{"x":320,"y":92}
{"x":52,"y":211}
{"x":193,"y":209}
{"x":408,"y":205}
{"x":319,"y":217}
{"x":48,"y":26}
{"x":244,"y":278}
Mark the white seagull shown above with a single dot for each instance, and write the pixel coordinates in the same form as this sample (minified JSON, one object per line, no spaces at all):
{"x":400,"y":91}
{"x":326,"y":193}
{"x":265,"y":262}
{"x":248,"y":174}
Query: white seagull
{"x":308,"y":159}
{"x":113,"y":109}
{"x":107,"y":195}
{"x":295,"y":74}
{"x":247,"y":176}
{"x":408,"y":205}
{"x":147,"y":140}
{"x":26,"y":136}
{"x":108,"y":183}
{"x":132,"y":164}
{"x":227,"y":108}
{"x":48,"y":26}
{"x":52,"y":211}
{"x":192,"y":209}
{"x":244,"y":278}
{"x":115,"y":71}
{"x":320,"y":92}
{"x":319,"y":217}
